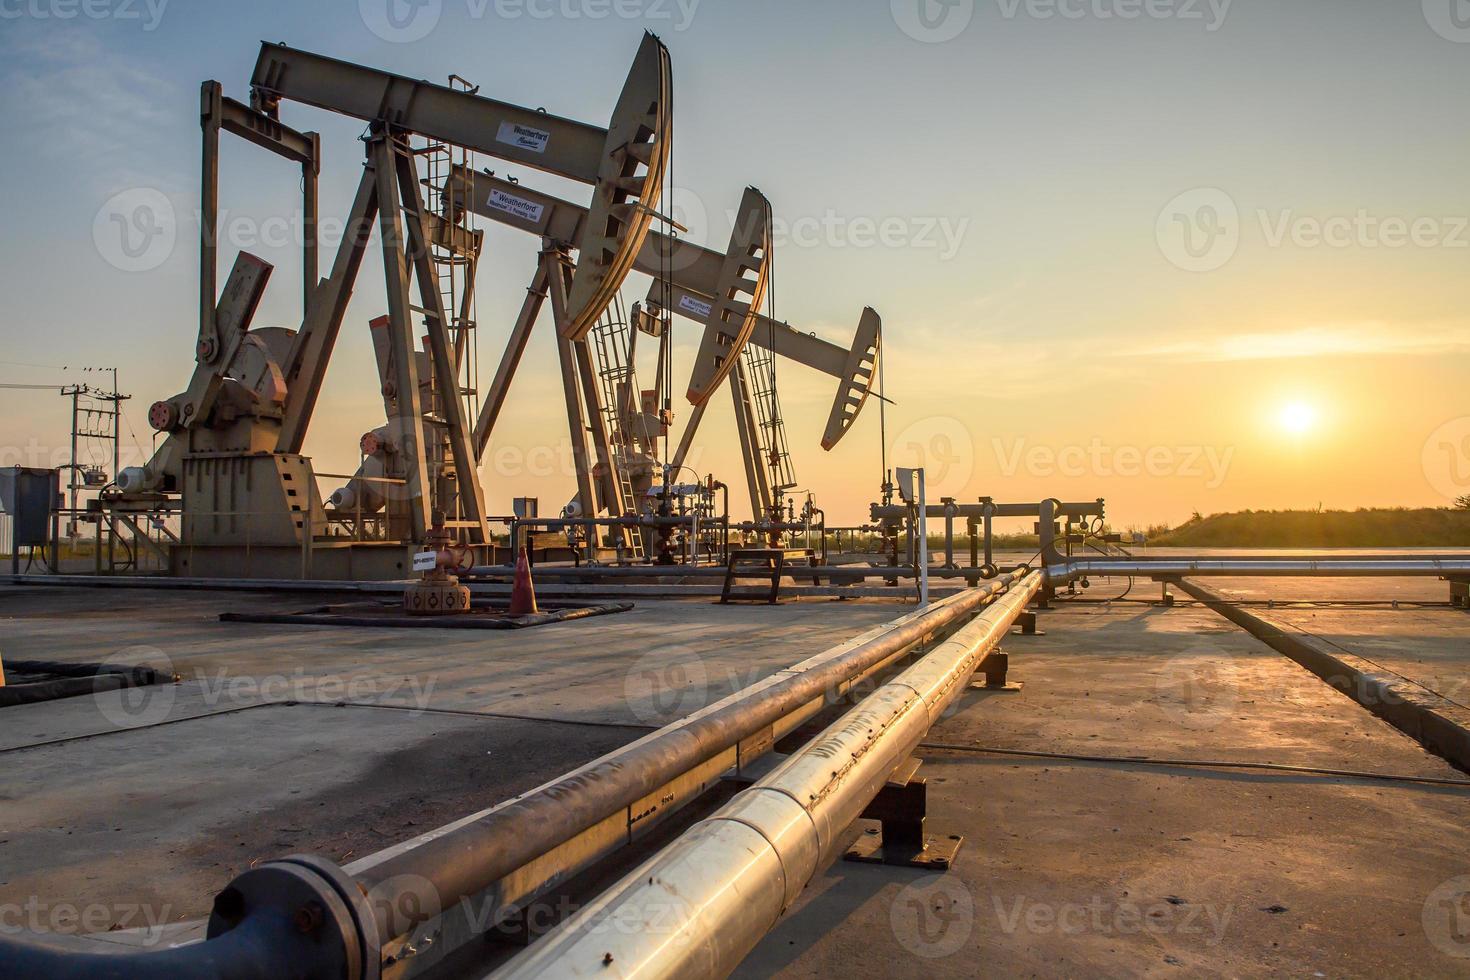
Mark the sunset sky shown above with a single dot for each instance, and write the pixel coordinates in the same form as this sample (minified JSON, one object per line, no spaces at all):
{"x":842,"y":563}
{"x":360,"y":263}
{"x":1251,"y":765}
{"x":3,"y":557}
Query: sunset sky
{"x":1188,"y":256}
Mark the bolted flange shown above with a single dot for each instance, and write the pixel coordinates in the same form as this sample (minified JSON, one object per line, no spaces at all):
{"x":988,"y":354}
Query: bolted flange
{"x":329,"y":916}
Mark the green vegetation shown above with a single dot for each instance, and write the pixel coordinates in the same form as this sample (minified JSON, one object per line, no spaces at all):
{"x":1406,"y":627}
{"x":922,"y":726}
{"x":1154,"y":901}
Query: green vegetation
{"x":1367,"y":528}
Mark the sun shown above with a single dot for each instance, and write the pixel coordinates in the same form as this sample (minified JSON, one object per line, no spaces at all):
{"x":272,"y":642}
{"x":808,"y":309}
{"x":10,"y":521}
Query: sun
{"x":1297,"y":418}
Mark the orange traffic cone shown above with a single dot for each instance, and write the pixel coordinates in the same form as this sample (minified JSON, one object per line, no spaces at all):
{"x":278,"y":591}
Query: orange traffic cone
{"x":523,"y":592}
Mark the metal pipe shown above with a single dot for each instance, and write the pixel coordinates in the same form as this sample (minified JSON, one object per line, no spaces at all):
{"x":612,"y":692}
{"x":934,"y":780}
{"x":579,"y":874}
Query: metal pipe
{"x":1062,"y":569}
{"x":1250,"y":567}
{"x":701,"y":904}
{"x":469,"y":857}
{"x":1093,"y":508}
{"x":298,"y":917}
{"x":718,"y":571}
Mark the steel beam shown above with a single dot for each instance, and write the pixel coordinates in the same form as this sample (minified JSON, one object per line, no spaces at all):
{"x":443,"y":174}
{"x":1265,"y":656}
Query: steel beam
{"x":515,"y":348}
{"x":306,"y":364}
{"x":441,"y":349}
{"x":408,"y":427}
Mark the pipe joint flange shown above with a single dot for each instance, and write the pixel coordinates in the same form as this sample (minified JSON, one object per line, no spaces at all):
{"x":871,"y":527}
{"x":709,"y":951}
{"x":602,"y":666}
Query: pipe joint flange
{"x":325,"y":907}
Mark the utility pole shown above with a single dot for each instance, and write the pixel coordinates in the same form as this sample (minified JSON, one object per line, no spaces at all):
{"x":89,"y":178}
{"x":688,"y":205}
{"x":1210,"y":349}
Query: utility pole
{"x":76,"y":392}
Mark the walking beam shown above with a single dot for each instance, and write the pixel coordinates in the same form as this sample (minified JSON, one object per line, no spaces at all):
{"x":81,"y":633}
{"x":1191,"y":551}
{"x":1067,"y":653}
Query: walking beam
{"x":695,"y":271}
{"x":625,"y":163}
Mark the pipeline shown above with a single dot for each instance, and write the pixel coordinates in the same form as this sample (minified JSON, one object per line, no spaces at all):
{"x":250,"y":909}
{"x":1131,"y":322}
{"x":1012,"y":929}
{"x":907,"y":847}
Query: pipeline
{"x":304,"y":916}
{"x":699,"y":906}
{"x":468,"y":858}
{"x":1061,"y":570}
{"x":988,"y":508}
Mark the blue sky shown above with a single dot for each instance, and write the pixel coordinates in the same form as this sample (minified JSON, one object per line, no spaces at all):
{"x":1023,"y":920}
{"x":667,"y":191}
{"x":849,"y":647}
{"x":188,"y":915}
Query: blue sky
{"x":1031,"y":292}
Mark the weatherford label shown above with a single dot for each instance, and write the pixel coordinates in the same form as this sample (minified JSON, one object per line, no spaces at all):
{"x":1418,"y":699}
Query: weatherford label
{"x":691,"y":305}
{"x":525,"y":137}
{"x":517,"y":206}
{"x":425,"y":561}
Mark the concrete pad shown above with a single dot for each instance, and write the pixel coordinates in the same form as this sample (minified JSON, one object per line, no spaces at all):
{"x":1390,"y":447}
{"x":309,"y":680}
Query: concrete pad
{"x":139,"y":805}
{"x":1122,"y":869}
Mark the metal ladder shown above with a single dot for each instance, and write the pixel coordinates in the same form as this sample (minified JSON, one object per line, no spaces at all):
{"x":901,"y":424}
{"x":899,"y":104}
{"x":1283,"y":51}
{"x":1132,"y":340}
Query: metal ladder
{"x":771,"y":427}
{"x":615,"y":375}
{"x":454,"y":270}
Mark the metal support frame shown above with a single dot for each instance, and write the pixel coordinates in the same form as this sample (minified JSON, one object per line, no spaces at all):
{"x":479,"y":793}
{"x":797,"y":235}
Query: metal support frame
{"x":763,"y":506}
{"x":218,"y":113}
{"x":468,"y":491}
{"x":306,"y":365}
{"x":560,"y":274}
{"x":901,"y":807}
{"x":408,"y":427}
{"x":515,"y":348}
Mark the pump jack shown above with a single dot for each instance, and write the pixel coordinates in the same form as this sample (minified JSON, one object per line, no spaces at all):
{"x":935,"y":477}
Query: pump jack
{"x":235,"y":436}
{"x":687,"y":280}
